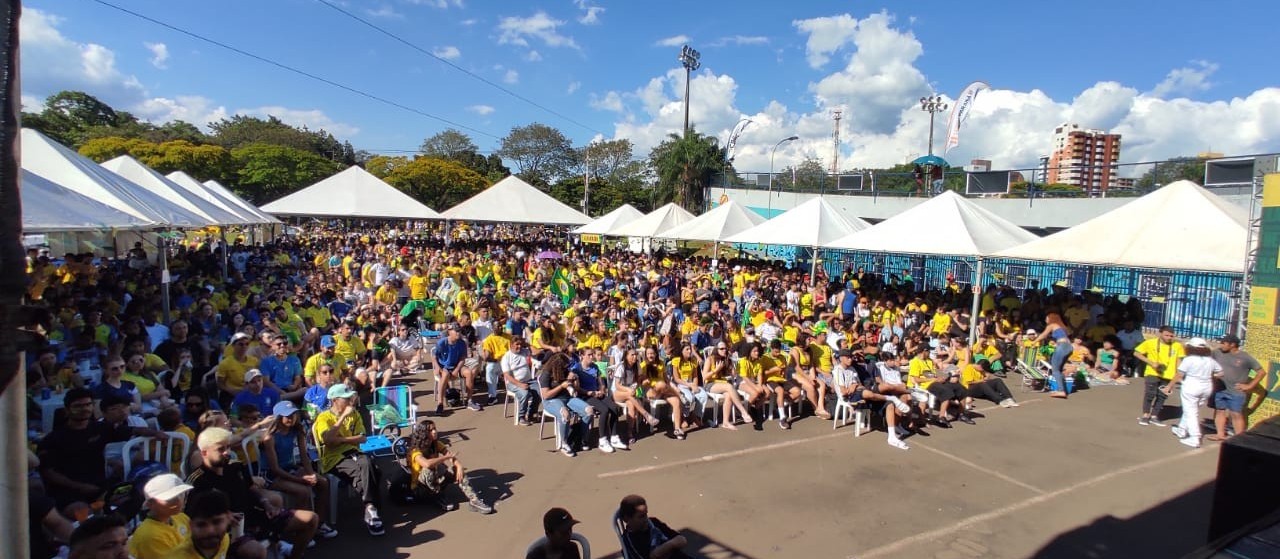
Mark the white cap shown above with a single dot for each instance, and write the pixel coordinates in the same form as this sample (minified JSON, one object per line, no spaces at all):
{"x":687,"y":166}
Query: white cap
{"x":239,"y":336}
{"x":1197,"y":342}
{"x":251,"y":374}
{"x":165,"y":487}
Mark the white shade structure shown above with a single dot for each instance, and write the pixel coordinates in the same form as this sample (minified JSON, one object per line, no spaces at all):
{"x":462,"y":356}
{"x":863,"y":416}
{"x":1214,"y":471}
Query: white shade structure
{"x":654,"y":222}
{"x":149,"y":179}
{"x":512,"y":200}
{"x":68,"y":169}
{"x":1181,"y":226}
{"x":947,"y":224}
{"x":352,"y":193}
{"x":193,"y":187}
{"x":623,"y":215}
{"x":228,"y":198}
{"x":811,"y":224}
{"x":723,"y":221}
{"x":47,"y":208}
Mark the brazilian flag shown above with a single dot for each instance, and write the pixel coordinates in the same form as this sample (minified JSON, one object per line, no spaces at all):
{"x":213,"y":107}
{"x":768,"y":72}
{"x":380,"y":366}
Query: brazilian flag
{"x":562,"y":286}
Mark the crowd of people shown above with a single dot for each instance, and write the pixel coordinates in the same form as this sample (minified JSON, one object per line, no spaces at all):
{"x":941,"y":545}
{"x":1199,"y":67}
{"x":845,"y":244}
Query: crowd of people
{"x":288,"y":348}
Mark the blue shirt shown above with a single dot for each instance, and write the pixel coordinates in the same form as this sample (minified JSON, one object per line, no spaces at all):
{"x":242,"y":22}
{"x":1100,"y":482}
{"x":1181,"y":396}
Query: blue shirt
{"x":264,"y":401}
{"x":281,"y":371}
{"x":102,"y":390}
{"x":450,"y":354}
{"x":317,"y":396}
{"x":517,"y":327}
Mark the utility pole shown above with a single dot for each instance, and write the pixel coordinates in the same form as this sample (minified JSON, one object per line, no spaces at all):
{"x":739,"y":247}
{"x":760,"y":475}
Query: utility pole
{"x":691,"y":60}
{"x":835,"y":142}
{"x":932,"y":105}
{"x":586,"y":181}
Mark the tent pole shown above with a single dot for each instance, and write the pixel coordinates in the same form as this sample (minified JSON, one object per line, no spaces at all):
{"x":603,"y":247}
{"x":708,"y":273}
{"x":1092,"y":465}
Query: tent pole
{"x":976,"y":288}
{"x":225,"y":252}
{"x":813,"y":267}
{"x":164,"y":277}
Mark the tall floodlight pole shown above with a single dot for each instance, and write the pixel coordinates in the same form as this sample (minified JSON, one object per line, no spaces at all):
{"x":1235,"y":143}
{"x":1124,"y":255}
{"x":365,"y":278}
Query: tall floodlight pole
{"x":932,"y":105}
{"x":691,"y":60}
{"x":772,"y":153}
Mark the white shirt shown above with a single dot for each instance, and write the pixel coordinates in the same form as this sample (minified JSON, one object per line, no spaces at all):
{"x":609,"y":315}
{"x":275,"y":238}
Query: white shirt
{"x":518,"y":365}
{"x":1130,"y":340}
{"x":483,"y":329}
{"x":1198,"y":369}
{"x":407,"y":344}
{"x":767,"y":331}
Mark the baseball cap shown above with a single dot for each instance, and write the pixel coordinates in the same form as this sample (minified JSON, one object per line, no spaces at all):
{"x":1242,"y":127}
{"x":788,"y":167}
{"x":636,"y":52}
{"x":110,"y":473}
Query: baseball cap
{"x":1197,"y":342}
{"x":844,"y":353}
{"x":327,"y":341}
{"x":1031,"y":331}
{"x":555,"y":519}
{"x":1230,"y":339}
{"x":165,"y":487}
{"x":284,"y":408}
{"x":251,"y":374}
{"x":341,"y":391}
{"x":239,"y":336}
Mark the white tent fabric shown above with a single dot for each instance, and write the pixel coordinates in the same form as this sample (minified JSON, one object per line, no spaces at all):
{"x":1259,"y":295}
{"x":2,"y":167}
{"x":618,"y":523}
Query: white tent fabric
{"x":512,"y":200}
{"x":352,"y":193}
{"x":228,"y":198}
{"x":71,"y":170}
{"x":947,"y":224}
{"x":654,"y":222}
{"x":811,"y":224}
{"x":1179,"y":227}
{"x":149,"y":179}
{"x":47,"y":208}
{"x":724,"y":221}
{"x":194,"y":188}
{"x":623,"y":215}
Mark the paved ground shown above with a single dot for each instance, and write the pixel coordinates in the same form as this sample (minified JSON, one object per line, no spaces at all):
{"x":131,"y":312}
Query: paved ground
{"x":1049,"y":479}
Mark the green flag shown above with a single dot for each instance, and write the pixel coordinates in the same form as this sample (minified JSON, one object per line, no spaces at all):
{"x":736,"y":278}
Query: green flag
{"x":562,"y":287}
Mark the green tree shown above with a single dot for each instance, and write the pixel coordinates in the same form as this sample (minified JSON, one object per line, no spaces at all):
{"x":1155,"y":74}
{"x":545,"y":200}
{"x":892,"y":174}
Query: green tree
{"x":684,"y":166}
{"x":809,"y":176}
{"x":240,"y":130}
{"x":71,"y":117}
{"x":1018,"y":189}
{"x":1176,"y":169}
{"x":541,"y":153}
{"x":265,"y":172}
{"x":449,"y":144}
{"x":111,"y":147}
{"x":438,"y":183}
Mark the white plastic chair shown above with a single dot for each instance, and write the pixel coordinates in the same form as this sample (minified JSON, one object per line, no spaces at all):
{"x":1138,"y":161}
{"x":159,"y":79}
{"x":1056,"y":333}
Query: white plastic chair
{"x":150,"y":450}
{"x":845,"y":410}
{"x":174,"y":453}
{"x":579,"y":538}
{"x":251,"y":442}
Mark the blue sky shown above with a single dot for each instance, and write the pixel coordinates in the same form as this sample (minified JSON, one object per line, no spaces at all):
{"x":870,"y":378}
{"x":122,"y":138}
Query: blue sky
{"x":611,"y":66}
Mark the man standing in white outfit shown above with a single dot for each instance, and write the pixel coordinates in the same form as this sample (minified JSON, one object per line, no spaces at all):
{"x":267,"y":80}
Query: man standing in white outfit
{"x":1195,"y":374}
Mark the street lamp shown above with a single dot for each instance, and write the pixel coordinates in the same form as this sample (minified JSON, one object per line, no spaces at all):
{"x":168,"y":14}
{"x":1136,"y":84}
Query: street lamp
{"x":772,"y":153}
{"x":691,"y":60}
{"x":932,"y":105}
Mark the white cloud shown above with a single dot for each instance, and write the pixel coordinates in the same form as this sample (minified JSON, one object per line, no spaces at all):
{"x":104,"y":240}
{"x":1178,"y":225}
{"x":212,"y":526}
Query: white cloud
{"x":1186,"y":80}
{"x":532,"y":56}
{"x":590,"y":13}
{"x":878,"y":87}
{"x":540,"y":26}
{"x":442,"y":4}
{"x":573,"y":87}
{"x":826,"y":35}
{"x":469,"y":22}
{"x":611,"y":101}
{"x":448,"y":52}
{"x":385,"y":11}
{"x":194,"y":109}
{"x":740,"y":40}
{"x":673,"y":41}
{"x":511,"y":76}
{"x":159,"y":54}
{"x":51,"y":62}
{"x":482,"y":110}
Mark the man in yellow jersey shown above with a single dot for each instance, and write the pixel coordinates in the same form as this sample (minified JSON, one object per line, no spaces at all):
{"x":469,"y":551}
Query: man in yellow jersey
{"x":339,"y":431}
{"x":1161,"y":355}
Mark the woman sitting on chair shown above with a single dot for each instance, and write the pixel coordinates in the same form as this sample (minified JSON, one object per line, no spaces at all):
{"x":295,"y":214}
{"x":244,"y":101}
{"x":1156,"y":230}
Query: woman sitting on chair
{"x":285,"y":472}
{"x":717,"y":378}
{"x":432,"y":465}
{"x":626,"y":380}
{"x":656,"y":387}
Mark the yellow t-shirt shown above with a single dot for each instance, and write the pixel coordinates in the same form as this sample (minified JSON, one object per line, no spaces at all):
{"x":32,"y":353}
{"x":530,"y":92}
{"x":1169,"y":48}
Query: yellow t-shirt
{"x":916,"y":371}
{"x":386,"y":295}
{"x":315,"y":361}
{"x":496,"y":345}
{"x":351,"y":427}
{"x":768,"y":362}
{"x":415,"y":469}
{"x":158,"y":540}
{"x":941,"y":323}
{"x":806,"y":304}
{"x":749,"y":369}
{"x":1165,"y":354}
{"x":970,"y":374}
{"x":820,"y":356}
{"x":231,"y":371}
{"x":144,"y":384}
{"x":418,"y":288}
{"x":684,"y":370}
{"x":348,"y":349}
{"x":186,"y":551}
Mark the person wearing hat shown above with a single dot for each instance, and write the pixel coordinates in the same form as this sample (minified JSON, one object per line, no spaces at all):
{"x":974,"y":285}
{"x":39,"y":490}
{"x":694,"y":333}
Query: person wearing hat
{"x":281,"y":444}
{"x":848,"y":386}
{"x":557,"y":524}
{"x":255,"y":392}
{"x":1196,"y":373}
{"x":1235,"y":385}
{"x":231,"y":370}
{"x":339,"y":432}
{"x":165,"y":526}
{"x":326,"y":356}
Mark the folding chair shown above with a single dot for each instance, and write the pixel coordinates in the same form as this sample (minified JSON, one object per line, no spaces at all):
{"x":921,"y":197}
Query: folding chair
{"x":1028,"y":366}
{"x":393,"y":409}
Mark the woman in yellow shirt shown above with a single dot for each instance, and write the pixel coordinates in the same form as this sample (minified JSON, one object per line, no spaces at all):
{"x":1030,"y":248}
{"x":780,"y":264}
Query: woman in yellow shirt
{"x":432,"y":466}
{"x":717,"y":379}
{"x":685,"y":370}
{"x":751,"y":377}
{"x":656,"y":387}
{"x":804,"y":375}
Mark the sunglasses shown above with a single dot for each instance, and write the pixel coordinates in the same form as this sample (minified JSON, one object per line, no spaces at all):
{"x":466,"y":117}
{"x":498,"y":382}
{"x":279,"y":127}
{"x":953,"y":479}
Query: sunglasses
{"x":115,"y":367}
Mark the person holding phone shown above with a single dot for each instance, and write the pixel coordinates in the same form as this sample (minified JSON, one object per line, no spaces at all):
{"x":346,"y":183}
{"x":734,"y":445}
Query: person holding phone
{"x":339,"y":432}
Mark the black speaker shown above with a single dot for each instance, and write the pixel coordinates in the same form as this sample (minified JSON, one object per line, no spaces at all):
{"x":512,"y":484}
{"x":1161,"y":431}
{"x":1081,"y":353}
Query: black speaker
{"x":1244,"y":492}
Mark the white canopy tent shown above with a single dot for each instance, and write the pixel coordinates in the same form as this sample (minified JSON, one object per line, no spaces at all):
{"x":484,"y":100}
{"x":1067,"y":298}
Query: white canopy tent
{"x":48,"y":207}
{"x":623,"y":215}
{"x":149,"y":179}
{"x":512,"y":200}
{"x":229,"y":198}
{"x":1181,"y":226}
{"x":723,"y":221}
{"x":654,"y":222}
{"x":947,"y":224}
{"x":352,"y":193}
{"x":811,"y":224}
{"x":61,"y":165}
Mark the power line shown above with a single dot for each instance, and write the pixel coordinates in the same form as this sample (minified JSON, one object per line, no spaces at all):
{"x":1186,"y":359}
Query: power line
{"x":482,"y":79}
{"x":294,"y":70}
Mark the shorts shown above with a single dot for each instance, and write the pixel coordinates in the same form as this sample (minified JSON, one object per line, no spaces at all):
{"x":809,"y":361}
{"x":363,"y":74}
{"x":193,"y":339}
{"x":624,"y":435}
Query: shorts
{"x":1229,"y":400}
{"x":855,"y":396}
{"x":827,"y":378}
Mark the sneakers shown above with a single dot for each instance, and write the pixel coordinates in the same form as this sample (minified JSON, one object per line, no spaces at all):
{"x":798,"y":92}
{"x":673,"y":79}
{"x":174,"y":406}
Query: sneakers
{"x":784,"y":425}
{"x":475,"y":406}
{"x":443,"y":504}
{"x":493,"y":401}
{"x":439,"y":409}
{"x":479,"y":506}
{"x":1179,"y":432}
{"x":897,"y":443}
{"x":325,"y":531}
{"x":617,"y":444}
{"x":903,"y":408}
{"x":373,"y":522}
{"x":965,"y":419}
{"x":679,"y":434}
{"x":1190,"y":442}
{"x":567,"y":451}
{"x":1008,"y":403}
{"x":605,"y":447}
{"x":1144,"y":421}
{"x":1155,"y":422}
{"x":900,"y":431}
{"x":524,"y":422}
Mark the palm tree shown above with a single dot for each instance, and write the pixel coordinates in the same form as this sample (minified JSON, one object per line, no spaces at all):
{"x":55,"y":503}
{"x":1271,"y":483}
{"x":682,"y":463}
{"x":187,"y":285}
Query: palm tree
{"x":685,"y":166}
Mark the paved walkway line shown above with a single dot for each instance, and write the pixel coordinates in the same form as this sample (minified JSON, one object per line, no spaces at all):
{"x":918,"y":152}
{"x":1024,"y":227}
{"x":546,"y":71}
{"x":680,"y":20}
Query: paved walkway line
{"x":724,"y":455}
{"x":899,"y":545}
{"x":995,"y":473}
